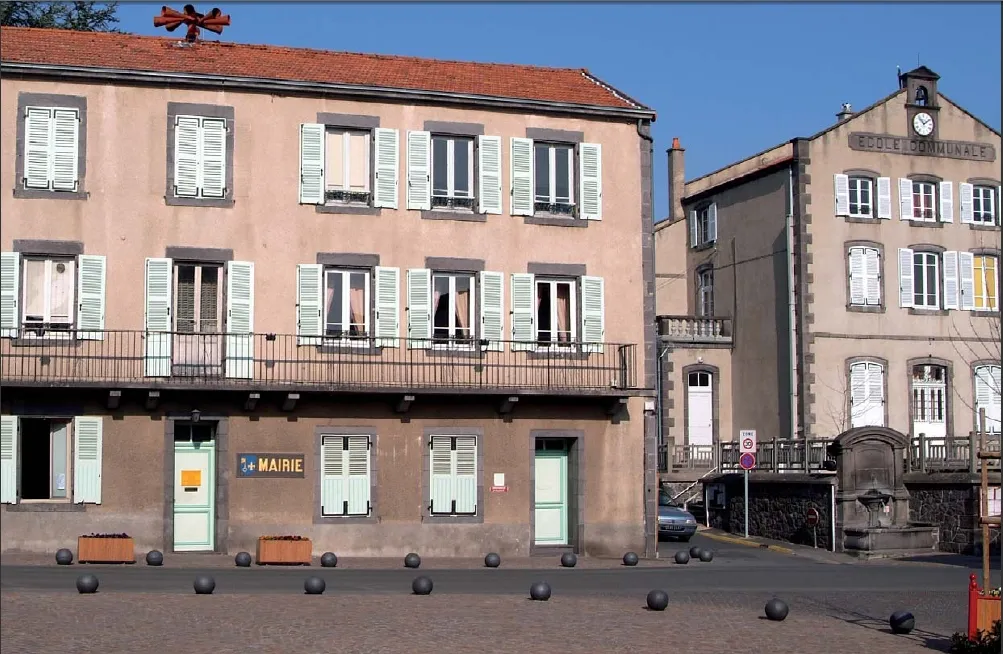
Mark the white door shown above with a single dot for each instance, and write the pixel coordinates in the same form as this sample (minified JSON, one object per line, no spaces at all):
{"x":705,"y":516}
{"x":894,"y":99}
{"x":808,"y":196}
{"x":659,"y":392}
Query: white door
{"x":194,"y":495}
{"x":699,"y":410}
{"x":550,"y":501}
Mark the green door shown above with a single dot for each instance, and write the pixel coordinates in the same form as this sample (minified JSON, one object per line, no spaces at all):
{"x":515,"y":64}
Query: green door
{"x":551,"y":494}
{"x":194,"y":489}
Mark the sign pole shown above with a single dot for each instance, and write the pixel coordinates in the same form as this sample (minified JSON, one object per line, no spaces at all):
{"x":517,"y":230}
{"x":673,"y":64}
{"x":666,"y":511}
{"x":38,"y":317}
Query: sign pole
{"x":746,"y":503}
{"x":747,"y":448}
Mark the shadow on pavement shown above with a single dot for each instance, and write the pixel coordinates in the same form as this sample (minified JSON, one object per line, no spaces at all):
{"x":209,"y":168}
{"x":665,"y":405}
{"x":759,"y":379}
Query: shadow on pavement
{"x":959,"y":560}
{"x":930,"y":640}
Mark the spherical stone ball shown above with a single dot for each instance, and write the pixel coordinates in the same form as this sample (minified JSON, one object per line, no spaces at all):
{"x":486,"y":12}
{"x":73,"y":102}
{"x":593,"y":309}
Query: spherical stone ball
{"x":421,"y":586}
{"x":706,"y":556}
{"x":694,"y":552}
{"x":540,"y":591}
{"x":776,"y":610}
{"x":658,"y":600}
{"x":155,"y":557}
{"x":243,"y":560}
{"x":314,"y":585}
{"x":87,"y":584}
{"x":64,"y":557}
{"x":412,"y":560}
{"x":569,"y":560}
{"x":682,"y":557}
{"x":902,"y":622}
{"x":492,"y":560}
{"x":204,"y":585}
{"x":328,"y":560}
{"x":630,"y":559}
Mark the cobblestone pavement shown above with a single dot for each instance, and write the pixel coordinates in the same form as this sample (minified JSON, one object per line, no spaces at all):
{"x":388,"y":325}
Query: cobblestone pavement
{"x":710,"y":623}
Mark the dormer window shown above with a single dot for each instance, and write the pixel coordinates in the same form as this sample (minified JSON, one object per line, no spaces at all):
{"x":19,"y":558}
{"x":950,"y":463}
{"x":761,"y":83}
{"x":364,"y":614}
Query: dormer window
{"x":922,"y":97}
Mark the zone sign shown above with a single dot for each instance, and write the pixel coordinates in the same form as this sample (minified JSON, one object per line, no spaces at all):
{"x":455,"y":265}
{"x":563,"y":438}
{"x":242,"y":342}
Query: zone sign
{"x":747,"y":441}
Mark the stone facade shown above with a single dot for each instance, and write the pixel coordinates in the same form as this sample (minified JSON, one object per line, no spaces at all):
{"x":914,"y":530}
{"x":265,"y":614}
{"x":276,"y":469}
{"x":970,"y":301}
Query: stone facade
{"x":951,"y":501}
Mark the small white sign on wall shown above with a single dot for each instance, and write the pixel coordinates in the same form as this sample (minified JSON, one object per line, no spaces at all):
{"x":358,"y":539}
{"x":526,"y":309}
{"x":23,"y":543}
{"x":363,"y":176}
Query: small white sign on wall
{"x":499,"y":479}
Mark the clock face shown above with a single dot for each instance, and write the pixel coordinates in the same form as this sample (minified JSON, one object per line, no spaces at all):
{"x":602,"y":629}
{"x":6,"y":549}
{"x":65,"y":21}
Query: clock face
{"x":923,"y":123}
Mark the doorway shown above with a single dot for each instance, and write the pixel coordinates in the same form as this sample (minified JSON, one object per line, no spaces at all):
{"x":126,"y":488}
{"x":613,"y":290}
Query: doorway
{"x":550,"y":496}
{"x":194,"y":486}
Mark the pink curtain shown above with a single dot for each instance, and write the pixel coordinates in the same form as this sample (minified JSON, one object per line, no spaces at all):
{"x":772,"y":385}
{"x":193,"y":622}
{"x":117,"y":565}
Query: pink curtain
{"x":463,"y":314}
{"x":563,"y":313}
{"x":357,"y":309}
{"x":328,"y":300}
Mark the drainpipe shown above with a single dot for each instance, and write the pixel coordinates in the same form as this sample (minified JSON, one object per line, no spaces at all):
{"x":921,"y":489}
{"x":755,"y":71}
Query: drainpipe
{"x":791,"y":304}
{"x":650,"y":548}
{"x":832,"y":515}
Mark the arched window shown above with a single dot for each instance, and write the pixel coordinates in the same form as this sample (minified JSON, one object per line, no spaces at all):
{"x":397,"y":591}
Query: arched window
{"x":987,"y":396}
{"x":929,"y":400}
{"x":922,"y":96}
{"x":867,"y":394}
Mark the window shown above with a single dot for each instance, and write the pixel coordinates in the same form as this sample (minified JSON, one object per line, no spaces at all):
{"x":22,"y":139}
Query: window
{"x":453,"y":478}
{"x":453,"y":308}
{"x":699,"y":412}
{"x":705,"y":292}
{"x":555,"y":177}
{"x":48,"y":294}
{"x":51,"y":145}
{"x":865,"y":276}
{"x":346,"y":304}
{"x":987,"y":396}
{"x":452,"y":172}
{"x":347,"y":171}
{"x":986,"y":279}
{"x":861,"y":197}
{"x":929,"y":400}
{"x":200,"y":157}
{"x":345,"y":476}
{"x":924,"y":196}
{"x":198,"y":320}
{"x":703,"y":225}
{"x":867,"y":394}
{"x":983,"y":205}
{"x":556,"y":312}
{"x":926,"y":280}
{"x":922,"y":98}
{"x":43,"y":459}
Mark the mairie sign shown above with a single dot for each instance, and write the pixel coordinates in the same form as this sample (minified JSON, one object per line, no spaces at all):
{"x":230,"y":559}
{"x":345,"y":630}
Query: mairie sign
{"x":257,"y":464}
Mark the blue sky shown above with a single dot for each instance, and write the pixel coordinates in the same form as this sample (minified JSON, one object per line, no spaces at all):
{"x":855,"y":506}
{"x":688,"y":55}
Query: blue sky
{"x":728,"y":79}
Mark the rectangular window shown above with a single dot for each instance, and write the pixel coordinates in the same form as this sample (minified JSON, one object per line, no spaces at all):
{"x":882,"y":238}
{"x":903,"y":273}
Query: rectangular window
{"x":556,"y":312}
{"x":924,"y":197}
{"x":198,"y":320}
{"x":348,"y":159}
{"x":453,"y":308}
{"x":48,"y":294}
{"x":984,"y":205}
{"x":926,"y":280}
{"x":861,"y":197}
{"x":45,"y":459}
{"x":452,"y":172}
{"x":986,"y":276}
{"x":453,"y":475}
{"x":51,"y":144}
{"x":705,"y":292}
{"x":200,"y":157}
{"x":345,"y":476}
{"x":555,"y":177}
{"x":865,"y":276}
{"x":703,"y":225}
{"x":929,"y":400}
{"x":346,"y":304}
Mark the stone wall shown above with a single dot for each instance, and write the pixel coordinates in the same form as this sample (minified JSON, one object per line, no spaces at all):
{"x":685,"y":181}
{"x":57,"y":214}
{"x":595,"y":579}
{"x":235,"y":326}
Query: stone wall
{"x":951,"y":501}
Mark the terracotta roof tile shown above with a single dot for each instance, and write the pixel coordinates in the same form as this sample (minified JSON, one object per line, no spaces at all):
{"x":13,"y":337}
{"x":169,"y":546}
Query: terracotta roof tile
{"x":160,"y":54}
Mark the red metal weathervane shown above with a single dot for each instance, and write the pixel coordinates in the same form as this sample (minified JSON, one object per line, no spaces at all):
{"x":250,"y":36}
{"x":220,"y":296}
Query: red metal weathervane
{"x":214,"y":21}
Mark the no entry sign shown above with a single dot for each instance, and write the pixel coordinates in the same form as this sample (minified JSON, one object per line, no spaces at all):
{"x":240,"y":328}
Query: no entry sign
{"x":812,"y":517}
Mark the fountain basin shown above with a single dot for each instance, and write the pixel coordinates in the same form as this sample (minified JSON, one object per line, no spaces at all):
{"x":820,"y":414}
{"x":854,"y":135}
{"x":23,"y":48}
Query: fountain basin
{"x":881,"y":542}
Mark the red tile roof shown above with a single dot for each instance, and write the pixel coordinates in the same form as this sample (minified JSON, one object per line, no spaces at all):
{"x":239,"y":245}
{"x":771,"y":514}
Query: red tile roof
{"x":159,"y":54}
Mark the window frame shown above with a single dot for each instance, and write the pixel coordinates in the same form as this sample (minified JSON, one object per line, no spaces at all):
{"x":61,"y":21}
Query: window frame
{"x":346,"y":134}
{"x":45,"y":329}
{"x":452,"y":342}
{"x":923,"y":388}
{"x":550,"y":206}
{"x":918,"y":208}
{"x":980,"y":192}
{"x":871,"y":186}
{"x":701,"y":214}
{"x":200,"y":111}
{"x":552,"y":281}
{"x":366,"y":338}
{"x":454,"y":202}
{"x":705,"y":291}
{"x":866,"y":361}
{"x":983,"y":292}
{"x":52,"y":421}
{"x":50,"y":101}
{"x":430,"y":437}
{"x":345,"y":438}
{"x":937,"y":258}
{"x":864,"y":247}
{"x":199,"y":266}
{"x":976,"y":367}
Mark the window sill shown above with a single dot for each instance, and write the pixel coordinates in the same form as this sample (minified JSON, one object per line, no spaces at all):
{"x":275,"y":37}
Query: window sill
{"x":39,"y":194}
{"x":545,"y":353}
{"x":47,"y":342}
{"x":913,"y":311}
{"x":462,"y":216}
{"x":217,"y":203}
{"x":932,"y":224}
{"x":452,"y":519}
{"x":42,"y":506}
{"x":454,"y":352}
{"x":346,"y":520}
{"x":703,"y":246}
{"x":986,"y":313}
{"x":345,"y":348}
{"x":865,"y":308}
{"x":865,"y":220}
{"x":982,"y":227}
{"x":349,"y":209}
{"x":555,"y":220}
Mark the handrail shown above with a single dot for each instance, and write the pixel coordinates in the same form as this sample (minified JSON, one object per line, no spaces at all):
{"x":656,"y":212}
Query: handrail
{"x":677,"y":495}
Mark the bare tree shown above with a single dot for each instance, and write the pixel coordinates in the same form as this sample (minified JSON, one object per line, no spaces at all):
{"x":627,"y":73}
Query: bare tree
{"x":979,"y":344}
{"x":836,"y":404}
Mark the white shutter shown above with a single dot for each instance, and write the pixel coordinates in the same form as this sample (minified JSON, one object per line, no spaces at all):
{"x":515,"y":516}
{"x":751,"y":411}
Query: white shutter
{"x":872,"y":275}
{"x":358,"y":471}
{"x":841,"y":183}
{"x":987,"y":396}
{"x":65,"y":134}
{"x":906,"y":281}
{"x":593,"y":314}
{"x":37,"y":148}
{"x":87,"y":454}
{"x":387,"y":166}
{"x":966,"y":192}
{"x":905,"y":199}
{"x":91,"y":297}
{"x":465,"y":474}
{"x":213,"y":158}
{"x":590,"y":168}
{"x":441,"y":474}
{"x":312,"y":164}
{"x":858,"y":390}
{"x":309,"y":303}
{"x":419,"y":308}
{"x":240,"y":319}
{"x":10,"y":293}
{"x":8,"y":459}
{"x":492,"y":309}
{"x":419,"y":170}
{"x":884,"y":197}
{"x":712,"y":223}
{"x":158,"y":317}
{"x":858,"y":284}
{"x":521,"y":172}
{"x":387,"y":307}
{"x":523,"y":311}
{"x":966,"y":272}
{"x":694,"y":232}
{"x":946,"y":202}
{"x":951,"y":280}
{"x":489,"y":177}
{"x":333,"y":471}
{"x":187,"y":156}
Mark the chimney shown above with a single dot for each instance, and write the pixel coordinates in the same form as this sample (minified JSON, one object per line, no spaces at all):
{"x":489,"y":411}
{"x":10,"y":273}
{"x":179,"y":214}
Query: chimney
{"x":677,"y":180}
{"x":845,"y":112}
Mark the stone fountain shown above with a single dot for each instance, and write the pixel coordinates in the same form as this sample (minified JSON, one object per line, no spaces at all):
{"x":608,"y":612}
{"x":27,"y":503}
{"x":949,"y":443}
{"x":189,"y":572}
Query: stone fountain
{"x":872,"y":503}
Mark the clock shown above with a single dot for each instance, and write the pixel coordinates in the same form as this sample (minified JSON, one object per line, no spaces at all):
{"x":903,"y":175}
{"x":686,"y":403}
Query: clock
{"x":922,"y":123}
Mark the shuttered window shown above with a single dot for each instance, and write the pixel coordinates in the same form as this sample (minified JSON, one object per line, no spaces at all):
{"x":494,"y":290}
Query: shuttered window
{"x":345,"y":475}
{"x":867,"y":394}
{"x":51,"y":146}
{"x":987,"y":396}
{"x":865,"y":276}
{"x":200,"y":157}
{"x":453,"y":475}
{"x":53,"y":296}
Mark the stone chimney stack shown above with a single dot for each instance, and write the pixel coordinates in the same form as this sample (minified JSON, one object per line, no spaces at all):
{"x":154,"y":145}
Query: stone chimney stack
{"x":845,"y":112}
{"x":677,"y":180}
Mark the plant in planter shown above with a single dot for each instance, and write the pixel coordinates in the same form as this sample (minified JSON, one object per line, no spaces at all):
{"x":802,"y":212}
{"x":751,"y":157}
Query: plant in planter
{"x":106,"y":548}
{"x":284,"y":550}
{"x":986,"y":642}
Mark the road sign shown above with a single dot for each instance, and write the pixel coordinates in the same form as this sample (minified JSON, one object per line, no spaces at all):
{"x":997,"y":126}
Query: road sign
{"x":747,"y":440}
{"x":747,"y":460}
{"x":812,"y":517}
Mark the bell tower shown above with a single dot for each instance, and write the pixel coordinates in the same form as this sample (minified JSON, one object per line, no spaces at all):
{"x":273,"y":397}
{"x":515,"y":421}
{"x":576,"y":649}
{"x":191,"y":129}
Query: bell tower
{"x":922,"y":108}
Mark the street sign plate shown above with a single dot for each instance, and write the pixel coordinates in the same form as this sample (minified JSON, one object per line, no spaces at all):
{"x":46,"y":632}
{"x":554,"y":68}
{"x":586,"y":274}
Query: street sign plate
{"x":812,"y":517}
{"x":747,"y":440}
{"x":747,"y":461}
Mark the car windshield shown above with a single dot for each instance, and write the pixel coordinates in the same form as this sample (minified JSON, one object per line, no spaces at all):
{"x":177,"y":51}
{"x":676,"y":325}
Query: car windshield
{"x":664,"y":499}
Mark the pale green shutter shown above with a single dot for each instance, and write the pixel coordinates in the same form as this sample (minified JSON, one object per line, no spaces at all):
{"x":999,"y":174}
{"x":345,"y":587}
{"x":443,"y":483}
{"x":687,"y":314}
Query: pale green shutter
{"x":387,"y":307}
{"x":87,"y":449}
{"x":159,"y":275}
{"x":966,"y":275}
{"x":521,"y":169}
{"x":523,"y":311}
{"x":419,"y":170}
{"x":441,"y":475}
{"x":387,"y":165}
{"x":947,"y":202}
{"x":489,"y":180}
{"x":10,"y":293}
{"x":213,"y":139}
{"x":906,"y":278}
{"x":187,"y":156}
{"x":332,"y":476}
{"x":357,"y":464}
{"x":65,"y":135}
{"x":593,"y":314}
{"x":8,"y":459}
{"x":841,"y":185}
{"x":37,"y":148}
{"x":492,"y":309}
{"x":419,"y":308}
{"x":465,"y":474}
{"x":312,"y":160}
{"x":590,"y":165}
{"x":309,"y":303}
{"x":240,"y":319}
{"x":91,"y":297}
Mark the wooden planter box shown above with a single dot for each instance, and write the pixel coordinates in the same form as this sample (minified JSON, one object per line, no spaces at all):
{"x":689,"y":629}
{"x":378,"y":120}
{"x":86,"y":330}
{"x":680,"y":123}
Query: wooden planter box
{"x":284,"y":552}
{"x":983,"y":611}
{"x":105,"y":550}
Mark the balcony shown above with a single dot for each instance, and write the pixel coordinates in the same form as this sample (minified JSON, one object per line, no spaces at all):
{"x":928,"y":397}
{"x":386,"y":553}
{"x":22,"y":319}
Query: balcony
{"x":691,"y":329}
{"x":285,"y":362}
